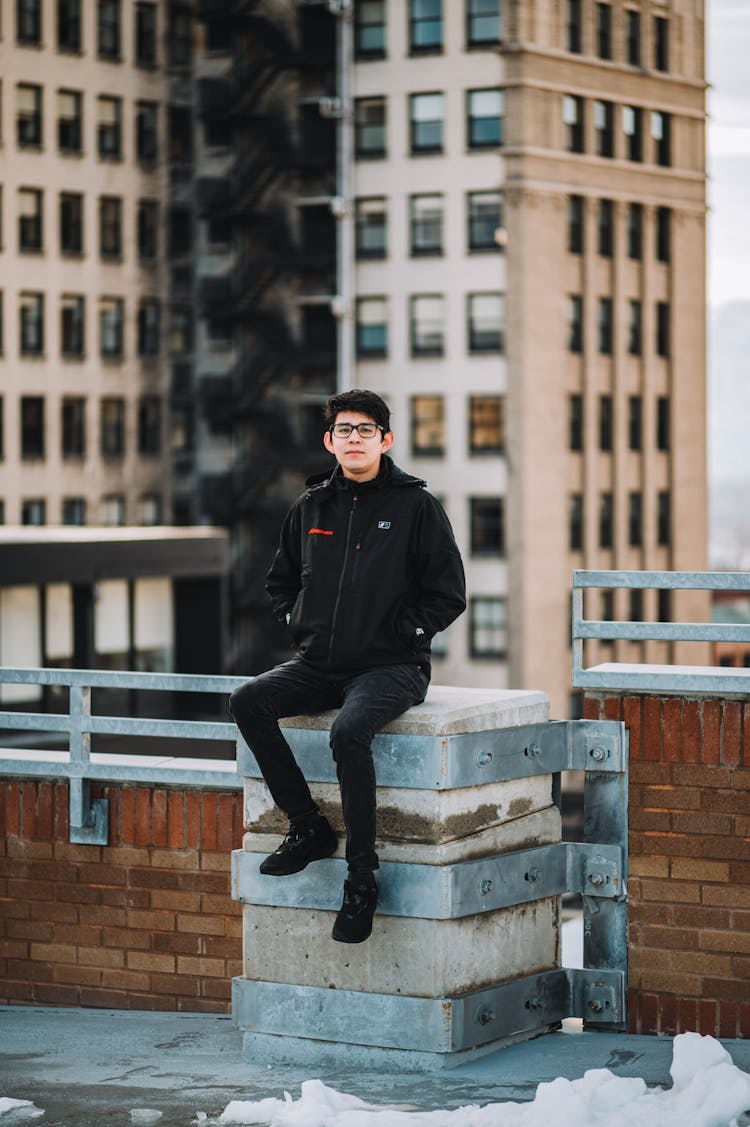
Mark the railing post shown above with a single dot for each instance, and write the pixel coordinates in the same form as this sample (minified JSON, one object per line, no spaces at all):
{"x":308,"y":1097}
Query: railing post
{"x":89,"y":819}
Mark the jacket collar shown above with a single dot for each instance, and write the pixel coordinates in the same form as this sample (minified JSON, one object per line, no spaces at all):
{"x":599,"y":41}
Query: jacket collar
{"x":389,"y":474}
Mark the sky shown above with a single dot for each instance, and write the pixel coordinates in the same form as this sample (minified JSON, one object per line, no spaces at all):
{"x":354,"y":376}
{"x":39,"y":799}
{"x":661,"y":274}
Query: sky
{"x":728,"y":72}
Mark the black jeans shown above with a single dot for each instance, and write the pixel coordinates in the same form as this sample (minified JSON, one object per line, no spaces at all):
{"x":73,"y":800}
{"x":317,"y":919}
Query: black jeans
{"x":368,"y":700}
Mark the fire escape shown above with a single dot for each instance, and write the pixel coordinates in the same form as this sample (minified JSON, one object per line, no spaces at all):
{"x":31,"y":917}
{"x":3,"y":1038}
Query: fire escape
{"x":274,"y":98}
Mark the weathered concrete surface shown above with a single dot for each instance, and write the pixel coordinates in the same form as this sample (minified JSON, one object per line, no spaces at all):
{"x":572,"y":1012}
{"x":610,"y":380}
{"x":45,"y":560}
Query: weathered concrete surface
{"x":89,"y":1067}
{"x":406,"y":814}
{"x":421,"y":958}
{"x":538,"y":828}
{"x":448,"y":710}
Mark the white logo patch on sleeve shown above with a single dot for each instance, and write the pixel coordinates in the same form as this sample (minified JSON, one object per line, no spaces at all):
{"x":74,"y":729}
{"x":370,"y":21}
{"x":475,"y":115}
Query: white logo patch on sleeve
{"x":384,"y":524}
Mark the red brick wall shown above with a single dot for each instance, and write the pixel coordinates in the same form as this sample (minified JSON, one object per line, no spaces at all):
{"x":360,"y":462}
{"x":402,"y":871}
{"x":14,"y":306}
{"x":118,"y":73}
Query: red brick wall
{"x":689,"y":888}
{"x":145,"y":922}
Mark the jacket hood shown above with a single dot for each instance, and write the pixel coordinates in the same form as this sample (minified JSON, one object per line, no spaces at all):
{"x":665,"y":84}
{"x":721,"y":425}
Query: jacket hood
{"x":390,"y":474}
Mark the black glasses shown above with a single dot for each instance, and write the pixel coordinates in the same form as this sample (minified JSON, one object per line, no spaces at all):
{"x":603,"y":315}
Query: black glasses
{"x":364,"y":430}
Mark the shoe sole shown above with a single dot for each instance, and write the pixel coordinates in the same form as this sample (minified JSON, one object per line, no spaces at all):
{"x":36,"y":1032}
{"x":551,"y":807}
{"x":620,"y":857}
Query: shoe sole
{"x":323,"y":852}
{"x":342,"y":939}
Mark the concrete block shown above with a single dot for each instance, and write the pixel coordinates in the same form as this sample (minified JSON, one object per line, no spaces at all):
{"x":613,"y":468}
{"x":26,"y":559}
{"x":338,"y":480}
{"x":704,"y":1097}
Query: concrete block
{"x":415,"y":957}
{"x":404,"y":814}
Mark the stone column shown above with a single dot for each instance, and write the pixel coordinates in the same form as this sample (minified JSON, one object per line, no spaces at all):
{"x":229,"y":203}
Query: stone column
{"x":458,"y":917}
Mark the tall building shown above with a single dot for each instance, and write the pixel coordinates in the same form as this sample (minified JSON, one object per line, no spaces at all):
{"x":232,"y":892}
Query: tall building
{"x":492,"y":212}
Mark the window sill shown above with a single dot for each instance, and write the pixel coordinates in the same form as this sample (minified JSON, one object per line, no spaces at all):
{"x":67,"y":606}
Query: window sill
{"x":70,"y":152}
{"x":438,"y":252}
{"x":427,"y":151}
{"x":497,"y":655}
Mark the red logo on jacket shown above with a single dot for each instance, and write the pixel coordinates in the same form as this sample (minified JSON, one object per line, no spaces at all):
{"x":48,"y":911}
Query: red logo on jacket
{"x":319,"y":532}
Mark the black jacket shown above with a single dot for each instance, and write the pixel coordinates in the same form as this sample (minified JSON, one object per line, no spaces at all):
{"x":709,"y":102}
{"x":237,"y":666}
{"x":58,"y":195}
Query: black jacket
{"x":366,"y":573}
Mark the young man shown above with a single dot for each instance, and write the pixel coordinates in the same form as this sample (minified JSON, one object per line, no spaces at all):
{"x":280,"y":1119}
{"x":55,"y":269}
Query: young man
{"x":367,"y":571}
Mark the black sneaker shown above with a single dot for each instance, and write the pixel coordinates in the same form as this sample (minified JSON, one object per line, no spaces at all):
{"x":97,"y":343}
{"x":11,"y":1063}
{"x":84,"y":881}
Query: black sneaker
{"x":306,"y":842}
{"x":354,"y":921}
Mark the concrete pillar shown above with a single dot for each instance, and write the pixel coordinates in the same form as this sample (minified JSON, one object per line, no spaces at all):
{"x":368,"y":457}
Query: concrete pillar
{"x":462,"y":815}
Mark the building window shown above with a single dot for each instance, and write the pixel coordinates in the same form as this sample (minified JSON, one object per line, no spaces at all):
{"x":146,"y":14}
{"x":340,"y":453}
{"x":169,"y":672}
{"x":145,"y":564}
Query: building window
{"x":605,"y":325}
{"x":145,"y":132}
{"x":632,"y":127}
{"x":485,"y":114}
{"x":604,"y":126}
{"x":606,"y":228}
{"x":372,"y":327}
{"x":69,"y":112}
{"x":73,"y":428}
{"x":28,"y":115}
{"x":635,"y":422}
{"x":219,"y":231}
{"x":145,"y":34}
{"x":605,"y":520}
{"x":425,"y":26}
{"x":635,"y":520}
{"x":486,"y":322}
{"x":487,"y":524}
{"x":635,"y":230}
{"x":180,"y":239}
{"x":663,"y":234}
{"x":32,"y":324}
{"x":427,"y":426}
{"x":69,"y":25}
{"x":149,"y":425}
{"x":113,"y":510}
{"x":575,"y":522}
{"x":369,"y":127}
{"x":426,"y":325}
{"x":606,"y":422}
{"x":180,"y":130}
{"x":663,"y":519}
{"x":484,"y":22}
{"x":662,"y":423}
{"x":147,"y":225}
{"x":426,"y":224}
{"x":180,"y":37}
{"x":486,"y":424}
{"x":112,"y":427}
{"x":426,"y":123}
{"x":661,"y":129}
{"x":575,"y":422}
{"x":573,"y":37}
{"x":110,"y":226}
{"x":71,"y":223}
{"x":74,"y":510}
{"x":29,"y":219}
{"x":109,"y":127}
{"x":661,"y":43}
{"x":148,"y":328}
{"x":72,"y":326}
{"x":573,"y":120}
{"x":575,"y":323}
{"x":181,"y":330}
{"x":604,"y":31}
{"x":371,"y":226}
{"x":149,"y":509}
{"x":369,"y":29}
{"x":488,"y":629}
{"x":2,"y":340}
{"x":33,"y":511}
{"x":108,"y":29}
{"x":575,"y":224}
{"x":664,"y":605}
{"x":111,"y":318}
{"x":29,"y":22}
{"x":662,"y":328}
{"x":634,"y":327}
{"x":485,"y":229}
{"x":32,"y":426}
{"x":633,"y":37}
{"x":635,"y":600}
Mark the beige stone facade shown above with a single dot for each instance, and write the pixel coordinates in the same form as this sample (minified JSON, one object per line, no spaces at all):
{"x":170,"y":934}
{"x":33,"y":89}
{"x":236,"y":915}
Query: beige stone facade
{"x":83,"y":185}
{"x":602,"y":460}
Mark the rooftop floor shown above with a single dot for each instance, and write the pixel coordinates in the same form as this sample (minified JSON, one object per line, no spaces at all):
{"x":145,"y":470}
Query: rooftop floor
{"x":84,"y":1066}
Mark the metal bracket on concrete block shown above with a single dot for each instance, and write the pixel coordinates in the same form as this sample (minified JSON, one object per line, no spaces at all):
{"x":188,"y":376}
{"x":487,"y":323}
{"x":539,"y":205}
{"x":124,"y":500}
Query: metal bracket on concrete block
{"x":438,"y":1025}
{"x":89,"y":818}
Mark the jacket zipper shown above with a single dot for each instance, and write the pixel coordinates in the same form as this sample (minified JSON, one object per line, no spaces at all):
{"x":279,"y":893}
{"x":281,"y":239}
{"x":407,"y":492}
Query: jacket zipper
{"x":337,"y":604}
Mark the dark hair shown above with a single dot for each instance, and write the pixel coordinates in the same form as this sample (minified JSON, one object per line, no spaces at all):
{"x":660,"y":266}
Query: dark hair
{"x":364,"y":402}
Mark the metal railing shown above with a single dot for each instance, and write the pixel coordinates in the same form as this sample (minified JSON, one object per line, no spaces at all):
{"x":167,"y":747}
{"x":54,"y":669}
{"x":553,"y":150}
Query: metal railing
{"x":708,"y":680}
{"x":81,"y":766}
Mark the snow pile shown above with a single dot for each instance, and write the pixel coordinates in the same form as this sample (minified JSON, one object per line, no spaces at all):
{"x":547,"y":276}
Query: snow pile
{"x":708,"y":1091}
{"x":14,"y":1111}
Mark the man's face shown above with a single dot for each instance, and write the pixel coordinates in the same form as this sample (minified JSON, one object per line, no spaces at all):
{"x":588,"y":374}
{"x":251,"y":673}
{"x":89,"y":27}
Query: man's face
{"x":358,"y":457}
